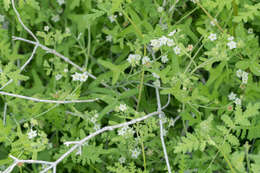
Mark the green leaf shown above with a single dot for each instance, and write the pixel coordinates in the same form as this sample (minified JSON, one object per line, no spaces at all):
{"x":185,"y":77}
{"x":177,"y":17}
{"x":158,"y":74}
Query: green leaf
{"x":7,"y":4}
{"x":116,"y":69}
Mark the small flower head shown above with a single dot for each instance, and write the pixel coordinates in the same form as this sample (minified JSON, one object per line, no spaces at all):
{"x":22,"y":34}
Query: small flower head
{"x":156,"y":44}
{"x":76,"y":77}
{"x":250,"y":31}
{"x":146,"y":60}
{"x":232,"y":96}
{"x":160,"y":9}
{"x":230,"y":38}
{"x":46,"y":28}
{"x":97,"y":127}
{"x":60,"y":2}
{"x":83,"y":77}
{"x":109,"y":38}
{"x":212,"y":37}
{"x":55,"y":18}
{"x":177,"y":50}
{"x":135,"y":153}
{"x":239,"y":73}
{"x":58,"y":77}
{"x":213,"y":22}
{"x":122,"y":107}
{"x":170,"y":42}
{"x":237,"y":101}
{"x":244,"y":77}
{"x":172,"y":33}
{"x":32,"y":134}
{"x":163,"y":40}
{"x":121,"y":160}
{"x":112,"y":18}
{"x":134,"y":59}
{"x":232,"y":44}
{"x":164,"y":59}
{"x":156,"y":75}
{"x":157,"y":83}
{"x":190,"y":47}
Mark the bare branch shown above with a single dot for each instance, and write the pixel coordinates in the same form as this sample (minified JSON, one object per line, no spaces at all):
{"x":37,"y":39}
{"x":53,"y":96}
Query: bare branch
{"x":4,"y":115}
{"x":47,"y":101}
{"x":161,"y":130}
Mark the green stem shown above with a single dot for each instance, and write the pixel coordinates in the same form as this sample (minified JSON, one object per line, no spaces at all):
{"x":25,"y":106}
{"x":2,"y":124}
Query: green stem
{"x":227,"y":160}
{"x":235,"y":13}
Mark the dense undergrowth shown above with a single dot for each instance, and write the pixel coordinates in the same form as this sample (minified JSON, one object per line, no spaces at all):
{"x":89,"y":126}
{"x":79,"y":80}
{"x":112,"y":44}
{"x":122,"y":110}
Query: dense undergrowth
{"x":83,"y":65}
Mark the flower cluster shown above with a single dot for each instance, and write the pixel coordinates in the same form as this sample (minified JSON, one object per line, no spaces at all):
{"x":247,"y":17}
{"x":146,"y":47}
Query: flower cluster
{"x":242,"y":74}
{"x":134,"y":59}
{"x":32,"y":134}
{"x":162,"y":41}
{"x":231,"y":44}
{"x":125,"y":131}
{"x":233,"y":97}
{"x":79,"y":77}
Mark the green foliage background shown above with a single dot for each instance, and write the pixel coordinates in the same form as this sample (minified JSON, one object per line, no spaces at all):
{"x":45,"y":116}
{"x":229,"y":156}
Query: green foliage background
{"x":213,"y":134}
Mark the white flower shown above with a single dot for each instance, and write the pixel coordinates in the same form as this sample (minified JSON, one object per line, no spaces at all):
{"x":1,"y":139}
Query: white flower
{"x":93,"y":120}
{"x":170,"y":42}
{"x":172,"y":33}
{"x":121,"y":160}
{"x":83,"y":77}
{"x":164,"y":26}
{"x":65,"y":70}
{"x":67,"y":30}
{"x":231,"y":38}
{"x":232,"y":96}
{"x":244,"y":77}
{"x":58,"y":76}
{"x":146,"y":60}
{"x":160,"y":9}
{"x":213,"y":22}
{"x":232,"y":44}
{"x":97,"y":127}
{"x":135,"y":153}
{"x":212,"y":37}
{"x":171,"y":122}
{"x":112,"y":18}
{"x":155,"y":44}
{"x":60,"y":2}
{"x":46,"y":28}
{"x":177,"y":50}
{"x":190,"y":47}
{"x":109,"y":38}
{"x":237,"y":101}
{"x":239,"y":73}
{"x":2,"y":18}
{"x":164,"y":132}
{"x":156,"y":75}
{"x":55,"y":18}
{"x":76,"y":77}
{"x":122,"y":107}
{"x":163,"y":40}
{"x":250,"y":31}
{"x":157,"y":83}
{"x":164,"y":59}
{"x":32,"y":134}
{"x":134,"y":59}
{"x":163,"y":118}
